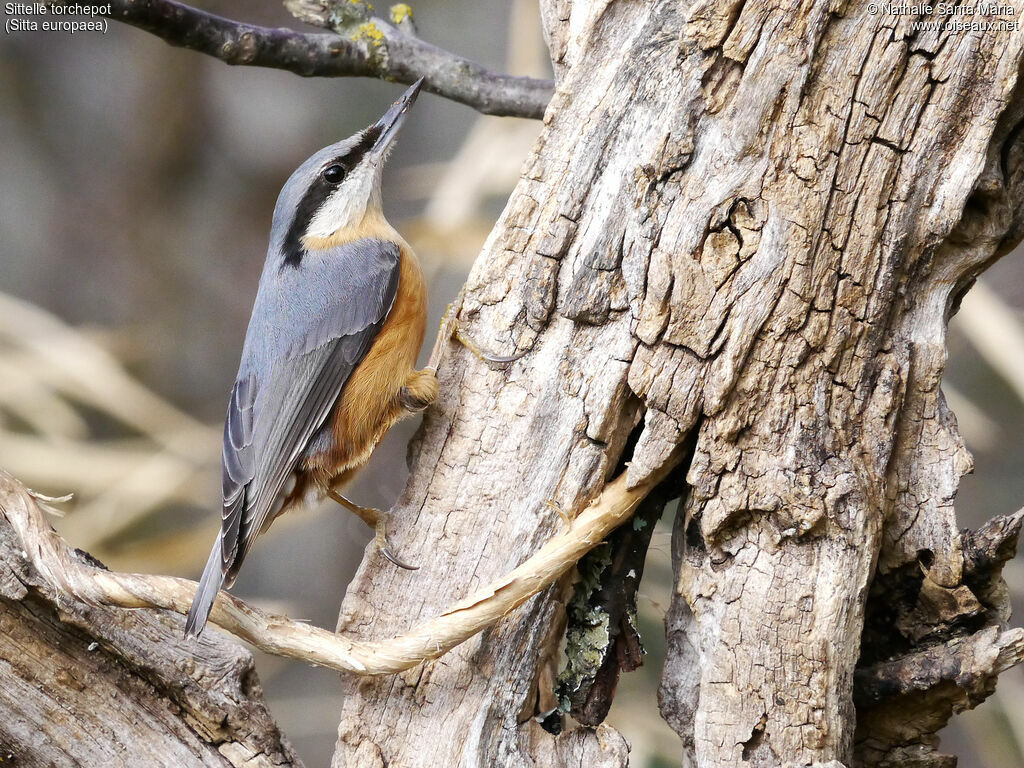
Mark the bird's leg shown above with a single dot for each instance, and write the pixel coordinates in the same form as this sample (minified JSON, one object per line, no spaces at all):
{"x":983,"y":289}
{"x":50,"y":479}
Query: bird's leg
{"x":449,"y":323}
{"x":376,"y":519}
{"x":566,"y":520}
{"x":451,"y":328}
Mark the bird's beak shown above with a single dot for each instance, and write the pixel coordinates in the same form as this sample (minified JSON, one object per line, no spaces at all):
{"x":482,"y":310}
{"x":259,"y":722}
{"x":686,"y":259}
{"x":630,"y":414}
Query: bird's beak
{"x":393,"y":119}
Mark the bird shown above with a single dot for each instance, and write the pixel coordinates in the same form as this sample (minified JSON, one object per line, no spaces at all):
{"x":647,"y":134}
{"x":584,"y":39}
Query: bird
{"x":328,"y":362}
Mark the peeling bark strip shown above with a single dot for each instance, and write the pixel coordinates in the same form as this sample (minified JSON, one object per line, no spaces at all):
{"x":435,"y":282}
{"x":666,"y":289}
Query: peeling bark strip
{"x":92,"y":686}
{"x":88,"y":582}
{"x":747,"y":216}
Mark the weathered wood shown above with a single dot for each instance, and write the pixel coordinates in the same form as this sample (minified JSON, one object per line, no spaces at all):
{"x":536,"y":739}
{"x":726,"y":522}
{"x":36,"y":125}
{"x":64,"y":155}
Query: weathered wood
{"x":93,"y":686}
{"x":744,"y":221}
{"x":895,"y":183}
{"x":928,"y":651}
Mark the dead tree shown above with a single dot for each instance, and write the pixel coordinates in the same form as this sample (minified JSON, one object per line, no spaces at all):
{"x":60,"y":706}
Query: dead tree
{"x":729,"y":263}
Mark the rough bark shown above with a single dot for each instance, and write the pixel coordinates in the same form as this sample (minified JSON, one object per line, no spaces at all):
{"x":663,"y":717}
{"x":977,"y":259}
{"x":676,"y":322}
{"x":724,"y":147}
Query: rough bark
{"x":892,"y":165}
{"x":929,"y":651}
{"x":747,"y":223}
{"x":95,"y":686}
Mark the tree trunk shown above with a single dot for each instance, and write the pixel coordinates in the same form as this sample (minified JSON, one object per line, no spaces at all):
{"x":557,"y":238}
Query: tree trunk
{"x":746,"y":224}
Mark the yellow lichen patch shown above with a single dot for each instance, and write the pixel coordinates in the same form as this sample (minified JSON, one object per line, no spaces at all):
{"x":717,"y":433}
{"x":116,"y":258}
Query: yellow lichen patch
{"x":370,"y":33}
{"x":401,"y":12}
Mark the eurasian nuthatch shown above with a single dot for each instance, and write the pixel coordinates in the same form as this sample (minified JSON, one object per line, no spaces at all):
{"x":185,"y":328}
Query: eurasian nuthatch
{"x":328,"y":364}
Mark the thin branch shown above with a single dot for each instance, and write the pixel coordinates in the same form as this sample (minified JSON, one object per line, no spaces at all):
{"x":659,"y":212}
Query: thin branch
{"x":76,"y":575}
{"x":375,"y":49}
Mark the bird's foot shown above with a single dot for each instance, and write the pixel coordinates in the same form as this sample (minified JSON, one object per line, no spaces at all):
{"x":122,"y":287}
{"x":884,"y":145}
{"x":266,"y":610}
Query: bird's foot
{"x":419,"y":391}
{"x":566,"y":520}
{"x":452,"y":328}
{"x":381,"y":540}
{"x":482,"y":354}
{"x":376,"y":519}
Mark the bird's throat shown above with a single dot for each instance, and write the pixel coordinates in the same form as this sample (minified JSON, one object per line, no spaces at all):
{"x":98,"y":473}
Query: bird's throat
{"x":371,"y":225}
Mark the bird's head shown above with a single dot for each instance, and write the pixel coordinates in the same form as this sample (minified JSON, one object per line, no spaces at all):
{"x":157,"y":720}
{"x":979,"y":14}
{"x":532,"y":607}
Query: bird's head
{"x":334,"y":197}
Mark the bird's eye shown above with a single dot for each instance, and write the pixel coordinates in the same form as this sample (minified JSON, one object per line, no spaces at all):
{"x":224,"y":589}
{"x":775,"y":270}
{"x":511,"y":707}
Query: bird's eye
{"x":333,"y":174}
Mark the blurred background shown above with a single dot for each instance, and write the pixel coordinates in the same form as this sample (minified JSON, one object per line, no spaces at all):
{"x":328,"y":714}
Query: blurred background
{"x":135,"y":199}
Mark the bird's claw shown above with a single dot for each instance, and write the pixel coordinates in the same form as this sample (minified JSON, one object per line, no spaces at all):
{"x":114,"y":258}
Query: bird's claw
{"x":487,"y":357}
{"x":392,"y":558}
{"x":566,"y":520}
{"x":381,"y":540}
{"x":378,"y":520}
{"x":452,"y":328}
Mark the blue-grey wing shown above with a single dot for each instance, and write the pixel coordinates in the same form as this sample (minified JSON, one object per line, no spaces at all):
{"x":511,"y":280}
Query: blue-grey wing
{"x":311,"y":326}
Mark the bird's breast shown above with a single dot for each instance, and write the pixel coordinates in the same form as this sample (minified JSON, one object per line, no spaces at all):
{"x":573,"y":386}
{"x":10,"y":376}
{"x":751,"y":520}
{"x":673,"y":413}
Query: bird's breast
{"x":369,"y":403}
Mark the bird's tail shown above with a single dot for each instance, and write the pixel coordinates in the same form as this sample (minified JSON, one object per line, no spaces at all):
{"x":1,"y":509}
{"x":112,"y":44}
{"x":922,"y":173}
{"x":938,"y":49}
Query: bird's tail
{"x":209,"y":586}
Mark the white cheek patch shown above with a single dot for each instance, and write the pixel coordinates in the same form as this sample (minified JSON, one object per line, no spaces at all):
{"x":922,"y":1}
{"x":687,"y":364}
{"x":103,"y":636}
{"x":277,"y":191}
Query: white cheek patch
{"x":346,"y":205}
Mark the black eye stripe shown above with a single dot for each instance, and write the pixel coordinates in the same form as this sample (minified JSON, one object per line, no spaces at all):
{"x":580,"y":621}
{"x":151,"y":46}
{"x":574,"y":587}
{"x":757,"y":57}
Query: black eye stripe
{"x":319,"y":191}
{"x":364,"y":145}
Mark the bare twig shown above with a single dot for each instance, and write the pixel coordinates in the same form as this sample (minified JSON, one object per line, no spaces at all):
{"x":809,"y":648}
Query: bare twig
{"x":75,"y":575}
{"x":374,"y":49}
